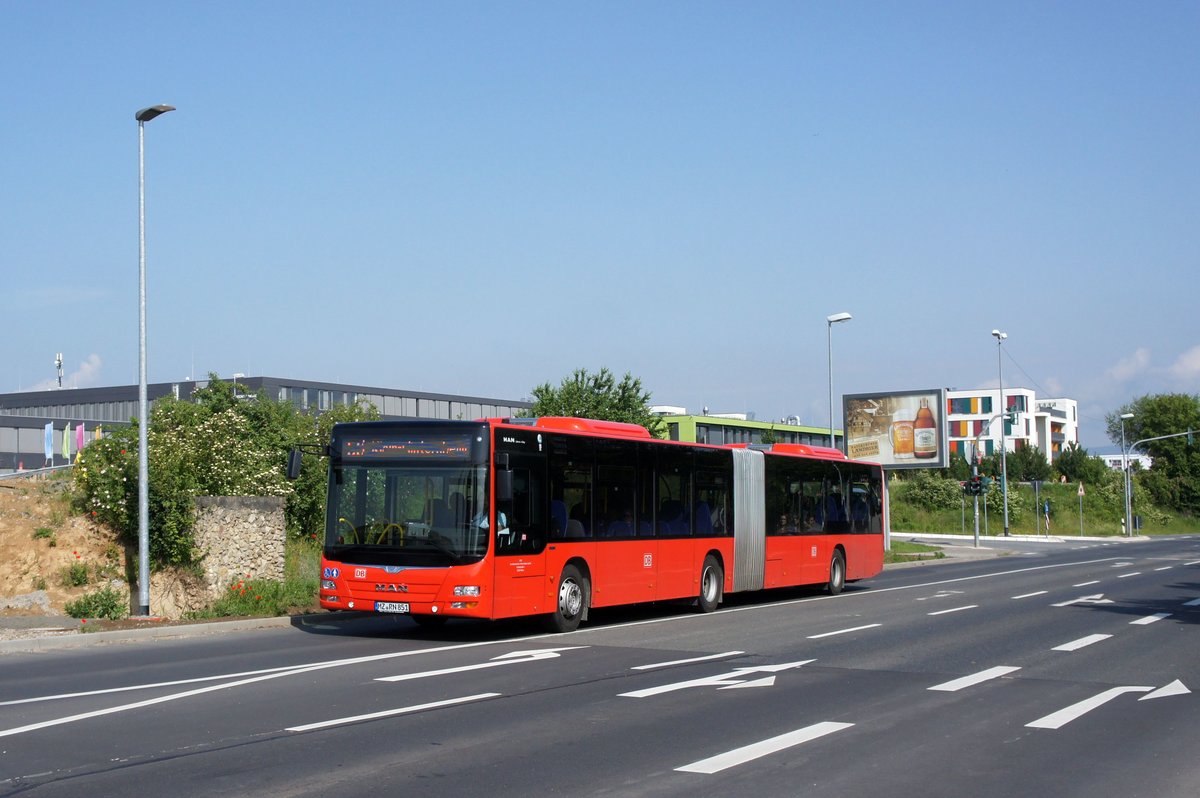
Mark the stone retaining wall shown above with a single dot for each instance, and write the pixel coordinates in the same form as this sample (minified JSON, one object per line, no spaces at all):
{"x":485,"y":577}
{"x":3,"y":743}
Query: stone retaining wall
{"x":239,"y":536}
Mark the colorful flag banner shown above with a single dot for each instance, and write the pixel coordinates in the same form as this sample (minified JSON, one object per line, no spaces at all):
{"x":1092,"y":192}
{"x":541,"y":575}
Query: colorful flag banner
{"x":50,"y":440}
{"x":66,"y":441}
{"x":79,"y":438}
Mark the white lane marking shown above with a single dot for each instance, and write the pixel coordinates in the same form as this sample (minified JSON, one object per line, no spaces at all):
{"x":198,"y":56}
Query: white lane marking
{"x":651,"y":666}
{"x":1056,"y":720}
{"x":956,"y":609}
{"x":748,"y":753}
{"x":844,"y":631}
{"x":1031,"y":595}
{"x":324,"y":724}
{"x":153,"y":701}
{"x":954,"y":685}
{"x":1121,"y":564}
{"x":1082,"y":642}
{"x":1158,"y":616}
{"x":1164,"y":568}
{"x":1085,"y":584}
{"x":149,"y":686}
{"x":1193,"y":562}
{"x":511,"y":658}
{"x":1131,"y":573}
{"x":1192,"y":603}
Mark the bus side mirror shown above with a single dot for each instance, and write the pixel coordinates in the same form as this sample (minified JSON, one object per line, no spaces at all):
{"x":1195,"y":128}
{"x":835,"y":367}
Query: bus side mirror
{"x":504,"y":479}
{"x":293,"y":464}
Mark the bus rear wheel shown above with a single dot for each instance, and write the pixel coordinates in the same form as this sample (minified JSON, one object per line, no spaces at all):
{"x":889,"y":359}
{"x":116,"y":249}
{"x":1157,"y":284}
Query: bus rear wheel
{"x":837,"y":573}
{"x":572,"y":598}
{"x":712,"y":579}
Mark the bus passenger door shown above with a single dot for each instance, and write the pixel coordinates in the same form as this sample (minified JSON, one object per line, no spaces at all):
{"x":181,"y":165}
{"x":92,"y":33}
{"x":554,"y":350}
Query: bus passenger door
{"x":520,"y":540}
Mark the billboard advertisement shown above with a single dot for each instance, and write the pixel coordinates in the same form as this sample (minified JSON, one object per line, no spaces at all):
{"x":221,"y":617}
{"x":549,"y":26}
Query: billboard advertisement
{"x":897,"y":429}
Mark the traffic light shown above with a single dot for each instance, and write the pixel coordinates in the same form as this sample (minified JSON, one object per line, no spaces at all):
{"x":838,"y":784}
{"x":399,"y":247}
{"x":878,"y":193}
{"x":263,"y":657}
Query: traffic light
{"x":973,"y":486}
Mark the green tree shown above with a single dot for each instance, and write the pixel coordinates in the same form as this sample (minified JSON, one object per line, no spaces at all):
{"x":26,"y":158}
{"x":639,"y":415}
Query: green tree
{"x":1074,"y":463}
{"x":1174,"y":477}
{"x":598,"y":396}
{"x":1027,"y":464}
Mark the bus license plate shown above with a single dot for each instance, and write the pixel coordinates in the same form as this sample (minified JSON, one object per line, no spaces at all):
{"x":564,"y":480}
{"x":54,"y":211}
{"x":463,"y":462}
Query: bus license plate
{"x":390,"y":606}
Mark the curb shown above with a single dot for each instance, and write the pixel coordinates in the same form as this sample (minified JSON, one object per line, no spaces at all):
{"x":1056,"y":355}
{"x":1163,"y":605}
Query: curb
{"x":80,"y":639}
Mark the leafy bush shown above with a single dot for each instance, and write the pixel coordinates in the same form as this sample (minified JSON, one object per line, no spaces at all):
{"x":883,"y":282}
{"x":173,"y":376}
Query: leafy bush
{"x":932,"y":492}
{"x":75,"y":575}
{"x":106,"y":603}
{"x":214,"y":445}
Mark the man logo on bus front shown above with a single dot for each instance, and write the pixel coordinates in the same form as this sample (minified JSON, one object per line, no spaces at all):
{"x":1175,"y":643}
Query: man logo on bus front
{"x":385,"y":588}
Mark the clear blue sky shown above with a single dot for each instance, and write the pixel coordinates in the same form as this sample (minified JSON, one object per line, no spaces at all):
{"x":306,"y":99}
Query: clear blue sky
{"x":479,"y":197}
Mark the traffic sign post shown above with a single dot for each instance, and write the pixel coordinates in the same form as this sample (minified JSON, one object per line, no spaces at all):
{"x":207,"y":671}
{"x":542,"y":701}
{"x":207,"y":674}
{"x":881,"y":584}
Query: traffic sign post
{"x":1080,"y":509}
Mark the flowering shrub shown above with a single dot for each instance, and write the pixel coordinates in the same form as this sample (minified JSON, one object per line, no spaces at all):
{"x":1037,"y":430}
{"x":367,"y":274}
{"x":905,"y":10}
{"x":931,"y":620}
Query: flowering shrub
{"x":213,"y":445}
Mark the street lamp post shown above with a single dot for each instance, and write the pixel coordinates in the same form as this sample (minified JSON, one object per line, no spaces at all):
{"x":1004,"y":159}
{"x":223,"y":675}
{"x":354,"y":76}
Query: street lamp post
{"x":1000,"y":336}
{"x":829,"y":322}
{"x":143,"y":116}
{"x":1125,"y":468}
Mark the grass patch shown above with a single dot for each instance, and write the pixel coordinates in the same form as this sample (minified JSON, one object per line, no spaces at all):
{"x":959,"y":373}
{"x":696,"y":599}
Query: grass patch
{"x":903,"y":551}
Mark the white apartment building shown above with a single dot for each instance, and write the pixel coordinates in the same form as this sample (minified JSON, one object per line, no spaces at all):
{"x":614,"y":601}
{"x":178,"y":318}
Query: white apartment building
{"x":1049,"y":424}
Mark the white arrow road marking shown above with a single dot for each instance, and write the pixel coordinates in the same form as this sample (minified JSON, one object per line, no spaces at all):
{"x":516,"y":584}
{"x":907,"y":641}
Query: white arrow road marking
{"x":766,"y":681}
{"x":1097,"y":598}
{"x":1174,"y":688}
{"x":1075,"y":645}
{"x":748,"y":753}
{"x":955,"y":685}
{"x":511,"y":658}
{"x":1158,"y":616}
{"x":389,"y":712}
{"x":1056,"y":720}
{"x":735,"y":677}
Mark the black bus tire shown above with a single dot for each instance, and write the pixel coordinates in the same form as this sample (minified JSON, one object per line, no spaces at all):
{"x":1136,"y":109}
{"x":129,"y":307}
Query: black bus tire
{"x":712,"y":580}
{"x":570,"y":602}
{"x":837,"y":573}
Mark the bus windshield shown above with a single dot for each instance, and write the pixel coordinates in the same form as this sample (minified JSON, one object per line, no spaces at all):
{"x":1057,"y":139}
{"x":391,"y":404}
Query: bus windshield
{"x":422,"y":514}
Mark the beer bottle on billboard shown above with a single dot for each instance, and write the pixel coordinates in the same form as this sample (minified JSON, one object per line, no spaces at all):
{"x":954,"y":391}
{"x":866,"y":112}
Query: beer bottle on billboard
{"x":925,"y":433}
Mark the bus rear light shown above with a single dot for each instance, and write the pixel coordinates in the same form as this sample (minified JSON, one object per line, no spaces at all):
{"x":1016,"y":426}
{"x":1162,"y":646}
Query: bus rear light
{"x":328,"y":584}
{"x":466,"y":590}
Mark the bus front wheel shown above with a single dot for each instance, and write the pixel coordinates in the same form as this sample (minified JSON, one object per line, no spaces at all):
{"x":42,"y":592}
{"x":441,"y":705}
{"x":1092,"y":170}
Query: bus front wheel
{"x":837,"y":573}
{"x":712,"y":579}
{"x":572,"y":597}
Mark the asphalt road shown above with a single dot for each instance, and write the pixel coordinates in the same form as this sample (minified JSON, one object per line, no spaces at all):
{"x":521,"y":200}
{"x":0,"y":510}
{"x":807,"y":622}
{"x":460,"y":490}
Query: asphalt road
{"x":1063,"y":671}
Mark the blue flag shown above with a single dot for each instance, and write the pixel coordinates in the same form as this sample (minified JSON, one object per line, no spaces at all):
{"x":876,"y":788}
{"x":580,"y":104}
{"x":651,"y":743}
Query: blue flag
{"x":50,"y":441}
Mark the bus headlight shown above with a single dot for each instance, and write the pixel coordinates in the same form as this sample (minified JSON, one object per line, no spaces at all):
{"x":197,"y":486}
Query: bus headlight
{"x":466,"y":590}
{"x":328,"y":584}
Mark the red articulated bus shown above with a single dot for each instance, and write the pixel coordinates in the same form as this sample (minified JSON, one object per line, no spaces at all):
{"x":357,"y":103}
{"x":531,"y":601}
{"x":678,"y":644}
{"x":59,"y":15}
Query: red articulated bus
{"x":554,"y":516}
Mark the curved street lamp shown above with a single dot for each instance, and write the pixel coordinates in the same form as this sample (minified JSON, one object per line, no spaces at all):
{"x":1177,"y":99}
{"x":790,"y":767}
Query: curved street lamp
{"x":143,"y":116}
{"x":1000,"y":336}
{"x":829,"y":322}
